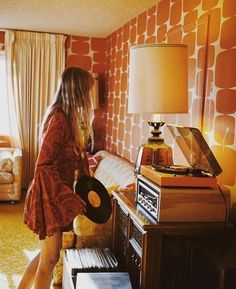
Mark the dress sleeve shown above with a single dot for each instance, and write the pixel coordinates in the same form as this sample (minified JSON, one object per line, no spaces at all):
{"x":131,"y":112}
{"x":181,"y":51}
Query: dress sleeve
{"x":54,"y":136}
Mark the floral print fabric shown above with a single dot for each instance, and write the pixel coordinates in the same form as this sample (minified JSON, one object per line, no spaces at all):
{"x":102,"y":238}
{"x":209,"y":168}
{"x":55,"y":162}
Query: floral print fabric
{"x":51,"y":204}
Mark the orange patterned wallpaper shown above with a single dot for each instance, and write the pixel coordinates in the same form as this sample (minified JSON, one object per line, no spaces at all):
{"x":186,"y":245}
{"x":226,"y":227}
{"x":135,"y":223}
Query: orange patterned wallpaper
{"x":186,"y":22}
{"x":212,"y":74}
{"x":86,"y":52}
{"x":90,"y":53}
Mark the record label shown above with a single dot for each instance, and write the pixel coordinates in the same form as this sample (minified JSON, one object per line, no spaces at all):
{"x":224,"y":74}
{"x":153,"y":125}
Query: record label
{"x":96,"y":197}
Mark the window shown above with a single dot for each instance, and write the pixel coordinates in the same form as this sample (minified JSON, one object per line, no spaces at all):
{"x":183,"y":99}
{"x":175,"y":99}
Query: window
{"x":4,"y":120}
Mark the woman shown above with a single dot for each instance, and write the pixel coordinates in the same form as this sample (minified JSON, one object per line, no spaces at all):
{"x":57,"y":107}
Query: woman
{"x":51,"y":205}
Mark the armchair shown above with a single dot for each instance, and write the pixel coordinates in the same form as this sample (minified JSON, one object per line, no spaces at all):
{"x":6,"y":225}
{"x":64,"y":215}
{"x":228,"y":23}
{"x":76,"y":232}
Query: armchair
{"x":10,"y":173}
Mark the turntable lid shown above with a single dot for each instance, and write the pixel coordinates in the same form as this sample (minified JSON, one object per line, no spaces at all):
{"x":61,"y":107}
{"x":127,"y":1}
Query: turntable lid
{"x":195,"y":148}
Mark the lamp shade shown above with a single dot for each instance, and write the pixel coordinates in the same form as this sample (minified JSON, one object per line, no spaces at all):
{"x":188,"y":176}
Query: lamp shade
{"x":158,"y":79}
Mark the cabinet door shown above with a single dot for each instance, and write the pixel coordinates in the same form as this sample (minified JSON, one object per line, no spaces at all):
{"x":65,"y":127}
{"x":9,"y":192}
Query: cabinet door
{"x":121,"y":236}
{"x":176,"y":262}
{"x":135,"y":254}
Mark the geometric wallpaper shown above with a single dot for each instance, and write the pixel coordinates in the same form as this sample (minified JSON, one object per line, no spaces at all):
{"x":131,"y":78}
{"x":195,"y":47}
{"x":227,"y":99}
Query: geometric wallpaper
{"x":87,"y":52}
{"x":90,"y":54}
{"x":208,"y":28}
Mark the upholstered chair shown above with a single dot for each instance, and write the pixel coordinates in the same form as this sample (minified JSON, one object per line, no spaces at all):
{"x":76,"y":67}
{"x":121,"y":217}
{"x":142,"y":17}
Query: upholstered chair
{"x":10,"y":171}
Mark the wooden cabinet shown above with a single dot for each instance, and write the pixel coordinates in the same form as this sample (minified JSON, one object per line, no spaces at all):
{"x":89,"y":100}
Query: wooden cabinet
{"x":157,"y":255}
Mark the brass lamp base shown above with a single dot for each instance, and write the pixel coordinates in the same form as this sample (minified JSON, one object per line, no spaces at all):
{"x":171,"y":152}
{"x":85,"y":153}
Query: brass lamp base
{"x":155,"y":138}
{"x":161,"y":152}
{"x":155,"y":151}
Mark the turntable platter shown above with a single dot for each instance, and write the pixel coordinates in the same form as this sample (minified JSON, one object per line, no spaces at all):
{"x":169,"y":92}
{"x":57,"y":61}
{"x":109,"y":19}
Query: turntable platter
{"x":179,"y":179}
{"x":181,"y":170}
{"x":173,"y":169}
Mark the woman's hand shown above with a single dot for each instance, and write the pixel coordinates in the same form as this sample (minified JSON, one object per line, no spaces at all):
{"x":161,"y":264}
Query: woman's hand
{"x":83,"y":166}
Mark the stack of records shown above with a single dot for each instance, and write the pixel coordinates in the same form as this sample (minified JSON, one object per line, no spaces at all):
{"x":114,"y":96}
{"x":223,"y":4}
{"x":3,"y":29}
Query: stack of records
{"x":90,"y":260}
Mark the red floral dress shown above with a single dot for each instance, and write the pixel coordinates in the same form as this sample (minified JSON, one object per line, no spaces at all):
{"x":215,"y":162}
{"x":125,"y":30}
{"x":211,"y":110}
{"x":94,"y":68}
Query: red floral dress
{"x":51,"y":204}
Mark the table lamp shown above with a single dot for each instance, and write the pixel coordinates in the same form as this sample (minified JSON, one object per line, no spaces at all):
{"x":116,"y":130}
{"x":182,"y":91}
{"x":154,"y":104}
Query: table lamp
{"x":158,"y":84}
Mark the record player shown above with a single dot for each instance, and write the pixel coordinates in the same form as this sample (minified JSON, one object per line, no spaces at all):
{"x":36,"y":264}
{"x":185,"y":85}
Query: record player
{"x":179,"y":193}
{"x":203,"y":166}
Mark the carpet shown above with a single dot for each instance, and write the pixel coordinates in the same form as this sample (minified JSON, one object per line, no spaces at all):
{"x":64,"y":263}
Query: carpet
{"x":18,"y":245}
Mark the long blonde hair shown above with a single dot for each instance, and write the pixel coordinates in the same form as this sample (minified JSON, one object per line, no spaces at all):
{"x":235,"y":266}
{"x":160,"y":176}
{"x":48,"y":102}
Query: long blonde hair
{"x":73,"y":98}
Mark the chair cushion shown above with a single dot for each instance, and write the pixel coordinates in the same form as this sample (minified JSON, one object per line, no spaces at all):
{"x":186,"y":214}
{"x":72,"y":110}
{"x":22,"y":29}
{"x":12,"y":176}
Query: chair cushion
{"x":6,"y":161}
{"x":6,"y":178}
{"x":6,"y":191}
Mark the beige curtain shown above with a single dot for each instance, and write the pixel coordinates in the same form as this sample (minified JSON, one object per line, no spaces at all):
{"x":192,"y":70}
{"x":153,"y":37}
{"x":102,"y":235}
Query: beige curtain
{"x":34,"y":64}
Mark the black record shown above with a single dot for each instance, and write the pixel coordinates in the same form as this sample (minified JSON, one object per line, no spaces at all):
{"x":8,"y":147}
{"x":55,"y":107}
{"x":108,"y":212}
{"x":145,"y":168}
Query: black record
{"x":173,"y":169}
{"x":98,"y":214}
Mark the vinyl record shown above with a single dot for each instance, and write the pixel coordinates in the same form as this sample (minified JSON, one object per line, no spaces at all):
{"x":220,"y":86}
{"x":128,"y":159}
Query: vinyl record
{"x":173,"y":169}
{"x":97,"y":198}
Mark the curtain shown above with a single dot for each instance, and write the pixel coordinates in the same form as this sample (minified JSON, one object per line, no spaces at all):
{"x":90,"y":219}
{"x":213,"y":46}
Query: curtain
{"x":34,"y":62}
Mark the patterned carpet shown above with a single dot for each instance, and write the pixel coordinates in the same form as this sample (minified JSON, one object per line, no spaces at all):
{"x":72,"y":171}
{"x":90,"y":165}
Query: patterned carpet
{"x":18,"y":245}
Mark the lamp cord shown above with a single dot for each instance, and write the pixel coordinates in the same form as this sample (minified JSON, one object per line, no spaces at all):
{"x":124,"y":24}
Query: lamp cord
{"x":226,"y":208}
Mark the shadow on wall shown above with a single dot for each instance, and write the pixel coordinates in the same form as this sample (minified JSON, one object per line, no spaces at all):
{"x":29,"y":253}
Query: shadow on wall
{"x":233,"y":213}
{"x":99,"y":123}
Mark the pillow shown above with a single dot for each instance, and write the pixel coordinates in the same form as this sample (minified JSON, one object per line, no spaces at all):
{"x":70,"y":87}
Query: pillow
{"x":68,"y":239}
{"x":129,"y":188}
{"x":57,"y":274}
{"x":57,"y":271}
{"x":93,"y":161}
{"x":6,"y":163}
{"x":113,"y":188}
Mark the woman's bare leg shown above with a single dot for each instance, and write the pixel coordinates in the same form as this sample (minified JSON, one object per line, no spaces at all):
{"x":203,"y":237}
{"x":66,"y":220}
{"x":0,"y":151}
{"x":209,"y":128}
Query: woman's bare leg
{"x":49,"y":256}
{"x":29,"y":274}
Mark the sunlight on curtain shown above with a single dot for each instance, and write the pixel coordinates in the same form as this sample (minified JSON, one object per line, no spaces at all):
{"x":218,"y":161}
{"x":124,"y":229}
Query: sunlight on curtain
{"x":4,"y":122}
{"x":34,"y":64}
{"x":4,"y":281}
